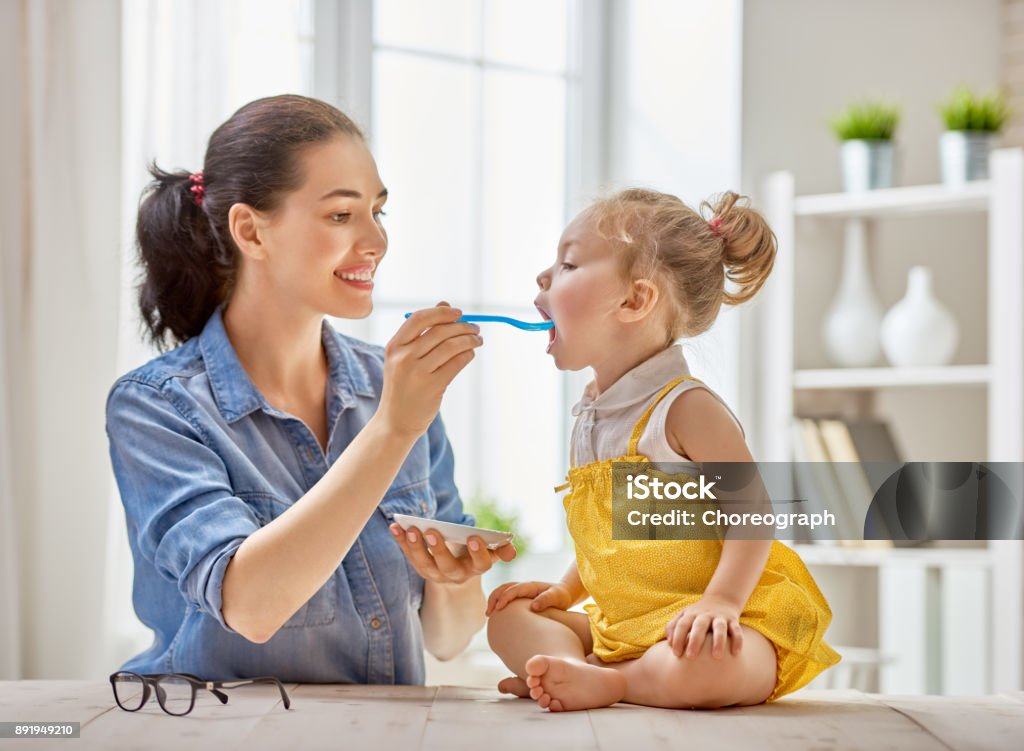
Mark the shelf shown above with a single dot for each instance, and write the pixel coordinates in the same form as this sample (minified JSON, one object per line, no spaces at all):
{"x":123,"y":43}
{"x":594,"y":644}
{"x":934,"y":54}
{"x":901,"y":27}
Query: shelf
{"x":835,"y":555}
{"x":879,"y":377}
{"x":914,"y":200}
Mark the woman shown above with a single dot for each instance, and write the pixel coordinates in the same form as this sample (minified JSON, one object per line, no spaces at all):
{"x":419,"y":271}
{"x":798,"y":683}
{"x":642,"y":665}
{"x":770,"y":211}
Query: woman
{"x":260,"y":462}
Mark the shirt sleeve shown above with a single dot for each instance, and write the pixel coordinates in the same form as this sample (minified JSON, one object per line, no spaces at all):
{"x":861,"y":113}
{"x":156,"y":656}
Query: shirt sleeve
{"x":442,"y":476}
{"x":179,"y":504}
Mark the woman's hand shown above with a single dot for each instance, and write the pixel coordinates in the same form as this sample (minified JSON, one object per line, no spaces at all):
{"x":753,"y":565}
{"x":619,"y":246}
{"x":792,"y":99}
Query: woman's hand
{"x":688,"y":630}
{"x":543,"y":594}
{"x":423,"y":357}
{"x":434,"y":561}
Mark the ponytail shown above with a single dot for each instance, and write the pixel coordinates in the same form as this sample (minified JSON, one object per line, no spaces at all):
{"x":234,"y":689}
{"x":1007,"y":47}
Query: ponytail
{"x":186,"y":271}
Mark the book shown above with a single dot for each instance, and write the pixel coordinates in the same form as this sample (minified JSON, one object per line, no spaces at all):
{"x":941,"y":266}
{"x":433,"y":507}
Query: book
{"x":816,"y":481}
{"x":853,"y":479}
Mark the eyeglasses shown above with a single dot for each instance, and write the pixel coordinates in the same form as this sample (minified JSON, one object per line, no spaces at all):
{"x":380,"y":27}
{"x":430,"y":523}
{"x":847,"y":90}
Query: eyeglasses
{"x":175,"y":692}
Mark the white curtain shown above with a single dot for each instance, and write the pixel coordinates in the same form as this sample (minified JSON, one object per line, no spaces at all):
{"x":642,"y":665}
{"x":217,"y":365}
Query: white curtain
{"x":60,"y":220}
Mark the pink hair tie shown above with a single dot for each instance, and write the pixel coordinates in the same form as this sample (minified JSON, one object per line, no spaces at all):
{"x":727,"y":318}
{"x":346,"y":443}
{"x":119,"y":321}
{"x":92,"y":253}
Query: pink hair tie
{"x":197,"y":189}
{"x":715,"y":224}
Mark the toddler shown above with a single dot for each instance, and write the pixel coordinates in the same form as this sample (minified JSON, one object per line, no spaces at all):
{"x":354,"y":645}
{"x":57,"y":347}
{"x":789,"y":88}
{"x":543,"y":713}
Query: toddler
{"x":689,"y":623}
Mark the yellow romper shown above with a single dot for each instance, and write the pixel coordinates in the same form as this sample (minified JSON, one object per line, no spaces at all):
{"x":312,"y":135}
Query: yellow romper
{"x":639,"y":585}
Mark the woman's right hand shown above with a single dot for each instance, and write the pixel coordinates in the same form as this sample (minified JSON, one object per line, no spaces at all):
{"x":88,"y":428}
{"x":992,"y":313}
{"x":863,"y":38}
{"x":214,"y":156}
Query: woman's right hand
{"x":423,"y":357}
{"x":544,"y":595}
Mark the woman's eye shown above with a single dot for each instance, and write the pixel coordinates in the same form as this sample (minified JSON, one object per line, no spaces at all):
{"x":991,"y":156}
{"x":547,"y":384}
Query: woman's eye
{"x":342,"y":220}
{"x":380,"y":214}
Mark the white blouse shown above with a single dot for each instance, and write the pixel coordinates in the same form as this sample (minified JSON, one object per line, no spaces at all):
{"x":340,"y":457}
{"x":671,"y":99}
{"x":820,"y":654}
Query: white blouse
{"x":604,"y":425}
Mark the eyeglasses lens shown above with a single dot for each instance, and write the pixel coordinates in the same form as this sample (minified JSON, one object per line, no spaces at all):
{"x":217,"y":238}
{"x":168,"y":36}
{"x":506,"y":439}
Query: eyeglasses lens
{"x":174,"y":694}
{"x":129,"y":691}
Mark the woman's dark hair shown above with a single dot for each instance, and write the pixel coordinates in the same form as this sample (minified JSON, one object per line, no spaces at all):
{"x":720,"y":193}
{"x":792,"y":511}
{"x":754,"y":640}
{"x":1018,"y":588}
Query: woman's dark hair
{"x":187,"y":256}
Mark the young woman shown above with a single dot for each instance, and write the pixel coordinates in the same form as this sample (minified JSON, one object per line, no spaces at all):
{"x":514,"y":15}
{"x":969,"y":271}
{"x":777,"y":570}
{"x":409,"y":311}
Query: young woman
{"x":261,"y":460}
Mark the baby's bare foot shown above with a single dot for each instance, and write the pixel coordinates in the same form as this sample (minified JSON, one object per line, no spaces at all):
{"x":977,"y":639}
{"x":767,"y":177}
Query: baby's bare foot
{"x":561,"y":684}
{"x":514,"y":685}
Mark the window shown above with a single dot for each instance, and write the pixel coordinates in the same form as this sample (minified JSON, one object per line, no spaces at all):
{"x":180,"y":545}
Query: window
{"x":473,"y":127}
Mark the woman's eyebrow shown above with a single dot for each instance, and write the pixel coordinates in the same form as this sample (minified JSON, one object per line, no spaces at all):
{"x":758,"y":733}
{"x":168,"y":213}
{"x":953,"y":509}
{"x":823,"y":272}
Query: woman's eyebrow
{"x":346,"y":193}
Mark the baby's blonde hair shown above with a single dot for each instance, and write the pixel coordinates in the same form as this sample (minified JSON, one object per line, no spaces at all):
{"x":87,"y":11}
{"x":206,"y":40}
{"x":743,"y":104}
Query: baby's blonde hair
{"x":688,"y":256}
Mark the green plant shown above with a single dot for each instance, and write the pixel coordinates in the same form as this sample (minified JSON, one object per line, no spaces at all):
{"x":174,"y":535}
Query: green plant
{"x":490,"y":516}
{"x":965,"y":110}
{"x":873,"y":120}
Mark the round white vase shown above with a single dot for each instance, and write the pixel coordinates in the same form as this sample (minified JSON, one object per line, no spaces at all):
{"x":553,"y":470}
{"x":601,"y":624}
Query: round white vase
{"x":919,"y":330}
{"x":850,"y":328}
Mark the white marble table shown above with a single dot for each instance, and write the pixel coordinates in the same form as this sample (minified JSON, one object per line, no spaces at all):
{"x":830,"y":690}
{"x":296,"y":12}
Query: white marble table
{"x":452,"y":718}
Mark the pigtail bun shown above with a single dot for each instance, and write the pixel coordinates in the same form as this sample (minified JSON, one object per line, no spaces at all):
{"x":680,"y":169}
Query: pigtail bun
{"x":748,"y":245}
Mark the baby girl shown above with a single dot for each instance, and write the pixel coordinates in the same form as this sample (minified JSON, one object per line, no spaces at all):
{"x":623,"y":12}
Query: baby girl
{"x":687,"y":623}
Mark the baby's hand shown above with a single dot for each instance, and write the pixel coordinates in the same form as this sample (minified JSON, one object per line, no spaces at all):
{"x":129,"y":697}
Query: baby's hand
{"x":543,"y":594}
{"x":690,"y":627}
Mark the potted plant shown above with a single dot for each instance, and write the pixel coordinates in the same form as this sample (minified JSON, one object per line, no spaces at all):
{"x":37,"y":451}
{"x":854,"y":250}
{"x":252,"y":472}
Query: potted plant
{"x":866,"y":130}
{"x":972,"y":124}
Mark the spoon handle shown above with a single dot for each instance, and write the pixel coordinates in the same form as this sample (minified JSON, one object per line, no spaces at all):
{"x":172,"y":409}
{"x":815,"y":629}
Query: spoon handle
{"x":524,"y":325}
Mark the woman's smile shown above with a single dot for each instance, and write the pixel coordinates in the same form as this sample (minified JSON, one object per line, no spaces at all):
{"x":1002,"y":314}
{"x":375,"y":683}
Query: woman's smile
{"x":360,"y":277}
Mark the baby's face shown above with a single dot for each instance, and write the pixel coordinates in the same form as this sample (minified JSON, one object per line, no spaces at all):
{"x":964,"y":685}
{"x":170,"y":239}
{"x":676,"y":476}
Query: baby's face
{"x":581,"y":292}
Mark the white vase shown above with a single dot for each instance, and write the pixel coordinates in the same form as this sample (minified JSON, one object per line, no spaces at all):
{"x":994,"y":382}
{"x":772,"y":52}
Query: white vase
{"x":850,"y":327}
{"x":919,"y":330}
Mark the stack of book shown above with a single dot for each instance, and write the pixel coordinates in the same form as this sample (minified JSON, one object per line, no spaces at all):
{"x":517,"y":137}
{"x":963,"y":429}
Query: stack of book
{"x":836,"y":463}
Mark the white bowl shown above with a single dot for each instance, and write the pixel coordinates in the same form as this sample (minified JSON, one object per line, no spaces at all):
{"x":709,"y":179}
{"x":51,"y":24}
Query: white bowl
{"x":455,"y":535}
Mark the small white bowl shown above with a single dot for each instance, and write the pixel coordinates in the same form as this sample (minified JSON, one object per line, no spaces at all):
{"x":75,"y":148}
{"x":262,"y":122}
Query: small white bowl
{"x":455,"y":535}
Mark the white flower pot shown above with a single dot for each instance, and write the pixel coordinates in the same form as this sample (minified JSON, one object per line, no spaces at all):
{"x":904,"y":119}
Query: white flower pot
{"x":919,"y":330}
{"x":964,"y":155}
{"x":867,"y":164}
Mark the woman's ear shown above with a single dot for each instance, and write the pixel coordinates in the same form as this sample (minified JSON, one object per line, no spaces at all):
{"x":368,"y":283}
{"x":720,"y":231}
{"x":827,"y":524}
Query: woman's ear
{"x":640,"y":300}
{"x":246,"y":225}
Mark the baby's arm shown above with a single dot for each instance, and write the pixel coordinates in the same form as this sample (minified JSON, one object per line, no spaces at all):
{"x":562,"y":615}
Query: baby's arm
{"x":562,"y":594}
{"x":700,"y":427}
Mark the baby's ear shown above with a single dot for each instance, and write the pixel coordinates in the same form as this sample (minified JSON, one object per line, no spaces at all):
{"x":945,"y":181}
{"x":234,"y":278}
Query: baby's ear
{"x":640,"y":300}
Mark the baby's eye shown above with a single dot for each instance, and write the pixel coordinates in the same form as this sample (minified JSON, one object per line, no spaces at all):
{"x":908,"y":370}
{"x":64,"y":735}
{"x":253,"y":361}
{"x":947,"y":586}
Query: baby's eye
{"x":568,"y":266}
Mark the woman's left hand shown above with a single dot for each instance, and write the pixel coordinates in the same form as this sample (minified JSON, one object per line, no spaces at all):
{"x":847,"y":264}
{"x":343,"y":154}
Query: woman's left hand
{"x":687,"y":632}
{"x":434,"y":561}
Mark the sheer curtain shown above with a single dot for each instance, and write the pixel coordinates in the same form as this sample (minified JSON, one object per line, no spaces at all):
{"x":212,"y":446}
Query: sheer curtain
{"x":188,"y":64}
{"x":59,"y":224}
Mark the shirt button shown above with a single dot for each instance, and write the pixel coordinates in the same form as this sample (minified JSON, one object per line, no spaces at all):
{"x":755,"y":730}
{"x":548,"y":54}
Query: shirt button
{"x":423,"y":507}
{"x":375,"y":623}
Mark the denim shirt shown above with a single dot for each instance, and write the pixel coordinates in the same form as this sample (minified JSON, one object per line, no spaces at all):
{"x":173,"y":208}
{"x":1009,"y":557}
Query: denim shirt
{"x":202,"y":461}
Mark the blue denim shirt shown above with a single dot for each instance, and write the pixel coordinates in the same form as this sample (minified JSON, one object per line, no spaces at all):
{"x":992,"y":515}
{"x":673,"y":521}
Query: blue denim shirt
{"x":202,"y":461}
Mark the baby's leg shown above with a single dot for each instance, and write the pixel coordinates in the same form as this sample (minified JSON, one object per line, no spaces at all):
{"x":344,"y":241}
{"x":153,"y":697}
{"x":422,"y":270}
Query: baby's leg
{"x":548,"y":653}
{"x":660,"y":679}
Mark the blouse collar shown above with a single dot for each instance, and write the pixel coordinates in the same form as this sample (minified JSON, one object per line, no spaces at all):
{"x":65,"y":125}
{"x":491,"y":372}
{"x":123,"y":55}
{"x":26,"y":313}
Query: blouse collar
{"x":638,"y":384}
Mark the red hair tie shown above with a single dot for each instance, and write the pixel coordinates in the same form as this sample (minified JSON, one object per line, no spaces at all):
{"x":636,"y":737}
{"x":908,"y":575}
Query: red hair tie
{"x":715,"y":224}
{"x":197,"y":189}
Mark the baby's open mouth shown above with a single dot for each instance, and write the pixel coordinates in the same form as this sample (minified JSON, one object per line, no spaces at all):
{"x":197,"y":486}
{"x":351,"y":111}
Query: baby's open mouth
{"x":552,"y":332}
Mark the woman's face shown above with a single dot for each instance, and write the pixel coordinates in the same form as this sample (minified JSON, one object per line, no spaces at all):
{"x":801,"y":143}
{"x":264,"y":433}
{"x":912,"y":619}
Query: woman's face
{"x":581,"y":292}
{"x":326,"y":240}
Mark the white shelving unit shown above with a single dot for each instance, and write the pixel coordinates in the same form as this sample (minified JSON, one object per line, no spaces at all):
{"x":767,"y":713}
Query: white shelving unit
{"x":915,"y":615}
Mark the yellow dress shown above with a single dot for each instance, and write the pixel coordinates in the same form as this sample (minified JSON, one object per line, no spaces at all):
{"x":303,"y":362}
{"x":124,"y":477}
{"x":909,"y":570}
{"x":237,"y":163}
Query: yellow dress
{"x":638,"y":586}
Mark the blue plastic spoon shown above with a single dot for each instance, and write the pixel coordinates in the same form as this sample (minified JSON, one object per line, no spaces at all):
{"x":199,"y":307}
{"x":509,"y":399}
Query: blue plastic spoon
{"x":524,"y":325}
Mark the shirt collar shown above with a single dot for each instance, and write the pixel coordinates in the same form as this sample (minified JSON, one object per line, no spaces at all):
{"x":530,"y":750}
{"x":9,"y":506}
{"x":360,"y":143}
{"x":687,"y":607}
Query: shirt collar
{"x":637,"y":384}
{"x":237,"y":396}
